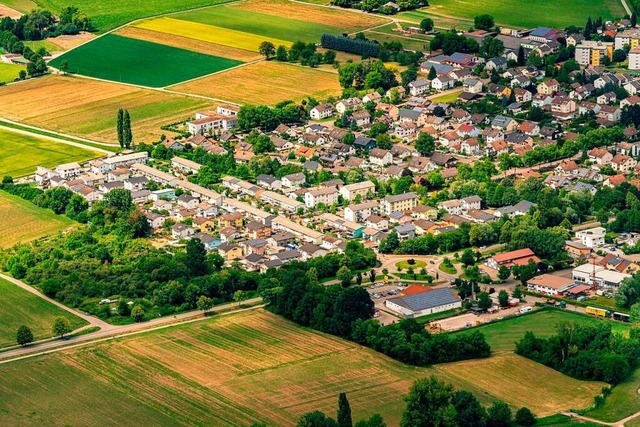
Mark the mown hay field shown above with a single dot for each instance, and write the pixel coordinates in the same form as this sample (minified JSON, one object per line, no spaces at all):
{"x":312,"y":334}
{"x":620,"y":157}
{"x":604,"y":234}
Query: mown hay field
{"x":88,"y":108}
{"x":503,"y":335}
{"x":22,"y":221}
{"x":29,"y":310}
{"x":126,"y":60}
{"x":189,"y":43}
{"x":265,"y":83}
{"x":230,"y":370}
{"x":209,"y":33}
{"x":20,"y":154}
{"x":514,"y":376}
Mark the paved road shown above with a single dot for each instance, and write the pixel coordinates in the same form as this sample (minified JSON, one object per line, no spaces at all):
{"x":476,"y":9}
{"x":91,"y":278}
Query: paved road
{"x":107,"y":331}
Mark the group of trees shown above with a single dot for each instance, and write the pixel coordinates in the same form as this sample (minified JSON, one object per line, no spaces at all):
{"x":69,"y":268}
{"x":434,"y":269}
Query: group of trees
{"x":40,"y":24}
{"x":409,"y":342}
{"x":585,"y":351}
{"x":366,"y":75}
{"x":59,"y":327}
{"x":123,"y":124}
{"x":357,"y":46}
{"x":381,"y":5}
{"x":304,"y":53}
{"x":450,"y":41}
{"x":267,"y":118}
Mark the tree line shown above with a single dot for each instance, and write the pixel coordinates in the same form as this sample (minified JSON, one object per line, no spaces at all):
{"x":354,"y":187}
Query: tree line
{"x":123,"y":128}
{"x":586,"y":352}
{"x":357,"y":46}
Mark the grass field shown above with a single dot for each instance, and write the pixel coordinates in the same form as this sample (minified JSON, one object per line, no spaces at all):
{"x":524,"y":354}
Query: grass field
{"x":512,"y":375}
{"x":48,"y":45}
{"x":190,"y":44}
{"x":622,"y":402}
{"x":503,"y":335}
{"x":22,"y":153}
{"x":260,"y":24}
{"x":448,"y":98}
{"x":8,"y":72}
{"x":265,"y":83}
{"x":122,"y":59}
{"x":88,"y":108}
{"x":550,"y":13}
{"x":30,"y":310}
{"x":232,"y":370}
{"x":416,"y":265}
{"x":22,"y":221}
{"x":109,"y":14}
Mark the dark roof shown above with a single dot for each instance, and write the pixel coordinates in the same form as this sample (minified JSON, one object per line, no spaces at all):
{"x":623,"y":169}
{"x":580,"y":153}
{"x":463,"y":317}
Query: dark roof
{"x":426,"y":300}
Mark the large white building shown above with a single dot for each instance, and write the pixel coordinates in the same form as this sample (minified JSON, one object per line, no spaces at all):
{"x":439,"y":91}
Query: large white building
{"x":422,"y":304}
{"x":225,"y":118}
{"x":598,"y":276}
{"x":634,"y":59}
{"x":327,"y":195}
{"x":593,"y":237}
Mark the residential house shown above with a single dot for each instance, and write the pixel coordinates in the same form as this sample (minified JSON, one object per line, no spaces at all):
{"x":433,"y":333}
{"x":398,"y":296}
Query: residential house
{"x":321,"y":111}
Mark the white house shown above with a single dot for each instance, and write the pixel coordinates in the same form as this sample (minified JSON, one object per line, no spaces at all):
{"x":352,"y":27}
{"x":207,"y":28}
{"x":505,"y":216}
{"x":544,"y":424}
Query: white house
{"x":593,"y":237}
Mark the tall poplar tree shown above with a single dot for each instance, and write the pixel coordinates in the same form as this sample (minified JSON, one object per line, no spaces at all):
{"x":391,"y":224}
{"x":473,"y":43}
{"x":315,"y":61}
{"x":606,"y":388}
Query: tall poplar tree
{"x":127,"y":136}
{"x":344,"y":411}
{"x":120,"y":128}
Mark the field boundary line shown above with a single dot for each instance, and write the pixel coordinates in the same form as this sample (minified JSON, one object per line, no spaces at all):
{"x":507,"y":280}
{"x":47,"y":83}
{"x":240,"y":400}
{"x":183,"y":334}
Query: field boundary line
{"x":58,"y":140}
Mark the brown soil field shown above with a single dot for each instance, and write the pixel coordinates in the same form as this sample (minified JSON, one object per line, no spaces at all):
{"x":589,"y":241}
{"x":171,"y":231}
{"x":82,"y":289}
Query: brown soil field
{"x":350,"y":21}
{"x":88,"y":108}
{"x":67,"y":42}
{"x":265,"y":83}
{"x":189,"y":44}
{"x":7,"y":11}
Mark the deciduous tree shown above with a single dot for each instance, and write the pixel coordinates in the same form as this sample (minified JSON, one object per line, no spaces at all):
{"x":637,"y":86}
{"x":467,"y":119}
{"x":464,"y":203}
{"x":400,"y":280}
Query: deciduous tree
{"x":24,"y":335}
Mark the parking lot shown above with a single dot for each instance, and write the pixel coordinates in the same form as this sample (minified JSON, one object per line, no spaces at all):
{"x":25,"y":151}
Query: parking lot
{"x":379,"y":294}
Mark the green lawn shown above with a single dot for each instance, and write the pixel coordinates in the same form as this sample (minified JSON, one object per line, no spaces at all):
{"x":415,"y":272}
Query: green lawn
{"x":447,"y":99}
{"x":21,"y":307}
{"x":404,"y":265}
{"x":561,"y":420}
{"x":503,"y":335}
{"x":623,"y":401}
{"x":407,"y":42}
{"x":22,"y":153}
{"x":37,"y":44}
{"x":109,"y":14}
{"x":550,"y":13}
{"x":270,"y":26}
{"x":122,"y":59}
{"x":8,"y":72}
{"x":448,"y":270}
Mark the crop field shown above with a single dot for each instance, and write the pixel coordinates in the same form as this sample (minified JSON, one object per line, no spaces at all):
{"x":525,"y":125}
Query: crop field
{"x":503,"y":335}
{"x":550,"y":13}
{"x":265,"y":83}
{"x":109,"y":14}
{"x":22,"y":221}
{"x":8,"y":72}
{"x":512,"y":375}
{"x":189,"y":43}
{"x":28,"y":309}
{"x":127,"y":60}
{"x":208,"y":33}
{"x":230,"y":370}
{"x":22,"y":153}
{"x":88,"y":108}
{"x":409,"y":43}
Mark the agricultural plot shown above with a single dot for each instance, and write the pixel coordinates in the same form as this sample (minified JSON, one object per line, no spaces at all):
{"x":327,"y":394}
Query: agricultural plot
{"x":22,"y":153}
{"x":231,"y":370}
{"x":27,"y":309}
{"x":8,"y":72}
{"x":192,"y":44}
{"x":550,"y":13}
{"x":109,"y":14}
{"x":512,"y":375}
{"x":22,"y":221}
{"x":503,"y":335}
{"x":139,"y":62}
{"x":265,"y":83}
{"x":87,"y":108}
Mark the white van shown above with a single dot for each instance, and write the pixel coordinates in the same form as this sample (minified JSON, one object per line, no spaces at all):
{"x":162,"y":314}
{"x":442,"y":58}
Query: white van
{"x":526,"y":309}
